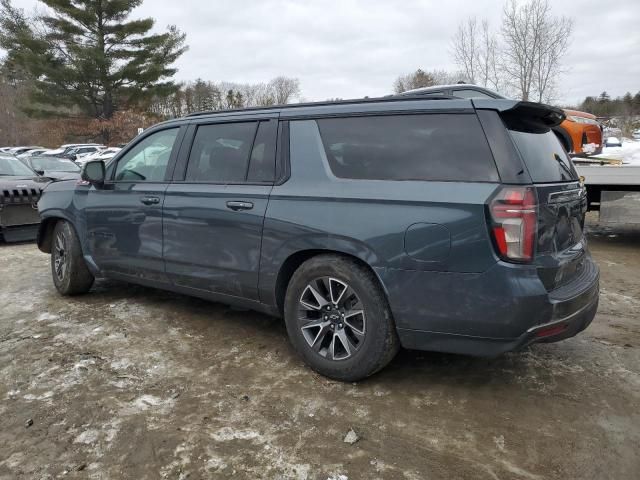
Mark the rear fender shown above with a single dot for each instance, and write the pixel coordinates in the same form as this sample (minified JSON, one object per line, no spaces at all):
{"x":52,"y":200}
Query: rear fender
{"x":270,"y":265}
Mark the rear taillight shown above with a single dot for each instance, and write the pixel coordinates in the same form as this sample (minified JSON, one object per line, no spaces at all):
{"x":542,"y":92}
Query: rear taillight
{"x":514,"y":223}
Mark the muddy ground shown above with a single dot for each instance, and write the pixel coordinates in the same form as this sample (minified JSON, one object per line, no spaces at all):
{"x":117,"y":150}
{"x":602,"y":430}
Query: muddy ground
{"x":129,"y":382}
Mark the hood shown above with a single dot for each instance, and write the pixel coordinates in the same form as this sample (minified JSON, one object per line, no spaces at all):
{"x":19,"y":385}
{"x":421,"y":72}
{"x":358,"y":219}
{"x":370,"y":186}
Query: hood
{"x":577,"y":113}
{"x":61,"y":175}
{"x":11,"y":181}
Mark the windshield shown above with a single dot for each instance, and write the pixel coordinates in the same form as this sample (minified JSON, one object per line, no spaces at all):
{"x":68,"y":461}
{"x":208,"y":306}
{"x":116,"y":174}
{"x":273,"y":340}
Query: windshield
{"x":13,"y":167}
{"x":544,"y":157}
{"x":54,"y":165}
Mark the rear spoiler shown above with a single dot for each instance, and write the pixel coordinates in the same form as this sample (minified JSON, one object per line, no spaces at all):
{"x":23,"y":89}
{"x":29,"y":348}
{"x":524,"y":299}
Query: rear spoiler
{"x":526,"y":116}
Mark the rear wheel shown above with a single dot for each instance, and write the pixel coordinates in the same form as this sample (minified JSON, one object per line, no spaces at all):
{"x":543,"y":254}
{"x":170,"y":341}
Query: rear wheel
{"x":68,"y":268}
{"x":338,"y":319}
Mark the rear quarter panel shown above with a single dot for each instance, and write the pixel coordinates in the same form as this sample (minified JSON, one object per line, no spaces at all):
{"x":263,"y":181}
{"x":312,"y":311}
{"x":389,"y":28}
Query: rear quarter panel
{"x":369,"y":219}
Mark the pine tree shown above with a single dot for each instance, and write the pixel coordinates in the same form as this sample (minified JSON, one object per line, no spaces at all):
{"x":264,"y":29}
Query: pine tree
{"x":87,"y":55}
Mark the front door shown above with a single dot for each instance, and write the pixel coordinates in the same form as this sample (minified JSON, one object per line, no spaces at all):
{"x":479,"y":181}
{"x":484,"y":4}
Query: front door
{"x":124,"y":217}
{"x":214,"y":212}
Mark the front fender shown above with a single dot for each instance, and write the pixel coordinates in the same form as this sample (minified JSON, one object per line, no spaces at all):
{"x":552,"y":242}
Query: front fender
{"x":59,"y":201}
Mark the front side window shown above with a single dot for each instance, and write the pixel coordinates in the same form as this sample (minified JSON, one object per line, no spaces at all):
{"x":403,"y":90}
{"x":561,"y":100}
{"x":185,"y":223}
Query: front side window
{"x":438,"y":147}
{"x":220,"y":152}
{"x":148,"y":160}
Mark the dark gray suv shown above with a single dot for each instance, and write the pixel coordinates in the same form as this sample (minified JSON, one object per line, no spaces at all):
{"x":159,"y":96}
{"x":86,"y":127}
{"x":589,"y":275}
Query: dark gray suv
{"x":432,"y":223}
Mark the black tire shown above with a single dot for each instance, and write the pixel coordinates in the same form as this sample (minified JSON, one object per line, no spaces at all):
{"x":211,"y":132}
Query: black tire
{"x":68,"y":268}
{"x":380,"y":341}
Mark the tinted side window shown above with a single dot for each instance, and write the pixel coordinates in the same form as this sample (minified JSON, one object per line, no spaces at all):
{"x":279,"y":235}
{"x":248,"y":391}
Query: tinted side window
{"x":262,"y":164}
{"x":220,"y":152}
{"x":544,"y":156}
{"x":408,"y":147}
{"x":147,"y":161}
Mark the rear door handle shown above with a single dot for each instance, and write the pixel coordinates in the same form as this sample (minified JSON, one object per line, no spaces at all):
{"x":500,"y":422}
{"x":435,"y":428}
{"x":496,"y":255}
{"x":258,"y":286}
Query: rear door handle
{"x":236,"y":206}
{"x":150,"y":200}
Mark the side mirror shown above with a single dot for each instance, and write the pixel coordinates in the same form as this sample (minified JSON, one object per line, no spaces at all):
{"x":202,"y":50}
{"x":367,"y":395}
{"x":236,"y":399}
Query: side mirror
{"x":93,"y":172}
{"x":40,"y":172}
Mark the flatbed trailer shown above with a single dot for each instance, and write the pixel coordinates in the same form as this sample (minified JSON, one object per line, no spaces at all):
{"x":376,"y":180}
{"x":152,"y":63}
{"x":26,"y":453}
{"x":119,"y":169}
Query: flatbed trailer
{"x":614,"y":191}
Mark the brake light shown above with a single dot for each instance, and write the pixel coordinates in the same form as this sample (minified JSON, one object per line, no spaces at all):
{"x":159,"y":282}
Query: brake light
{"x":514,"y":223}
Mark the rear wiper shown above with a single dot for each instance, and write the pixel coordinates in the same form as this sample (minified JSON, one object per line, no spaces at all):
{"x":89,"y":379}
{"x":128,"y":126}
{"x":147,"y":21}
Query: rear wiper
{"x":564,"y":166}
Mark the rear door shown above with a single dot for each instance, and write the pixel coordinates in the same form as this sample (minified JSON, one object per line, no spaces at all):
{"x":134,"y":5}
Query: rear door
{"x":562,"y":204}
{"x":214,"y":209}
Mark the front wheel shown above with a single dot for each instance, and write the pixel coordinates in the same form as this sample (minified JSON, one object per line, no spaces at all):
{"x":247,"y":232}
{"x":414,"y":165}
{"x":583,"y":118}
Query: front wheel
{"x":68,"y":268}
{"x":338,"y":318}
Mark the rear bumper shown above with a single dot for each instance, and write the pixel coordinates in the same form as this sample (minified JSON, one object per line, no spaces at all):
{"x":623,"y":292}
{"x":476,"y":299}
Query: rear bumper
{"x":525,"y":314}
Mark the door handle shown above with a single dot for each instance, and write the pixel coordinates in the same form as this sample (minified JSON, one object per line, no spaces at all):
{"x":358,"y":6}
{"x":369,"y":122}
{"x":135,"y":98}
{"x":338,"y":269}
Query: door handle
{"x":150,"y":200}
{"x":236,"y":206}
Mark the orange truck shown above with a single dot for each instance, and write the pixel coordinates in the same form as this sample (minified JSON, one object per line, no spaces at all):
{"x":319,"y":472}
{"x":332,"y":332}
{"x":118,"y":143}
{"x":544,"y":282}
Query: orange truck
{"x":580,"y":133}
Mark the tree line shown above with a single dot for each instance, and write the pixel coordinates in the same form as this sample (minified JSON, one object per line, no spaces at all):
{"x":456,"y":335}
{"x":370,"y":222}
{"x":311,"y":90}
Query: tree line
{"x":202,"y":95}
{"x":606,"y":107}
{"x":88,"y":62}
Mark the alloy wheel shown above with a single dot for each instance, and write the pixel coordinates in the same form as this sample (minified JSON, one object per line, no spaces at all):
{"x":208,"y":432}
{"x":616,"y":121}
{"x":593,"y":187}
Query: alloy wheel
{"x":60,"y":256}
{"x":332,"y":318}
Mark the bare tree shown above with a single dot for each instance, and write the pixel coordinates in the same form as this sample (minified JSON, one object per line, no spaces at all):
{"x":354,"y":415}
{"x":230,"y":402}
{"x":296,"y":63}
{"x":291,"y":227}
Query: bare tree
{"x":490,"y":74}
{"x":534,"y":43}
{"x":475,"y":51}
{"x":466,"y":48}
{"x":444,"y":77}
{"x":284,"y":89}
{"x":412,"y":80}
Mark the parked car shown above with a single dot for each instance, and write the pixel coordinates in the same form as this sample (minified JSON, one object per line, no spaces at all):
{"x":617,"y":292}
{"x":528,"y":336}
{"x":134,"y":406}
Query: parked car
{"x":19,"y":150}
{"x":31,"y":153}
{"x":54,"y":152}
{"x":104,"y":154}
{"x":613,"y":142}
{"x":53,"y":167}
{"x":636,"y":135}
{"x":78,"y":152}
{"x":437,"y":224}
{"x":580,"y":132}
{"x":19,"y":194}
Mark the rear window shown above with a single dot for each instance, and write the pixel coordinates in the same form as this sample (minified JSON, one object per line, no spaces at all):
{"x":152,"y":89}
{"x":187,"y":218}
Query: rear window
{"x":546,"y":160}
{"x":439,"y":147}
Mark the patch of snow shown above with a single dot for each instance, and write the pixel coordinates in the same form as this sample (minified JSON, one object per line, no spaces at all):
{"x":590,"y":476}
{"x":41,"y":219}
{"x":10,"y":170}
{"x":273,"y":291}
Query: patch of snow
{"x":47,"y":316}
{"x":629,"y":152}
{"x":88,"y":437}
{"x":44,"y":396}
{"x":145,"y":402}
{"x":227,"y":433}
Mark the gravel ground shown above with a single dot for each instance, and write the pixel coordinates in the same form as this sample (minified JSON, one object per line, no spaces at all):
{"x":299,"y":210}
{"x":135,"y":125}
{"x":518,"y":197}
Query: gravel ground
{"x":129,"y":382}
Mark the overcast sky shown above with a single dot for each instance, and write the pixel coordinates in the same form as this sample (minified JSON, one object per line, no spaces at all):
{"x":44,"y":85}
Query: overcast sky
{"x":348,"y":49}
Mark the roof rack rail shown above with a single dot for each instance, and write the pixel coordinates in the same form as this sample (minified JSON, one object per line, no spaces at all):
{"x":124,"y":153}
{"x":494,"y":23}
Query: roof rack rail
{"x":390,"y":98}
